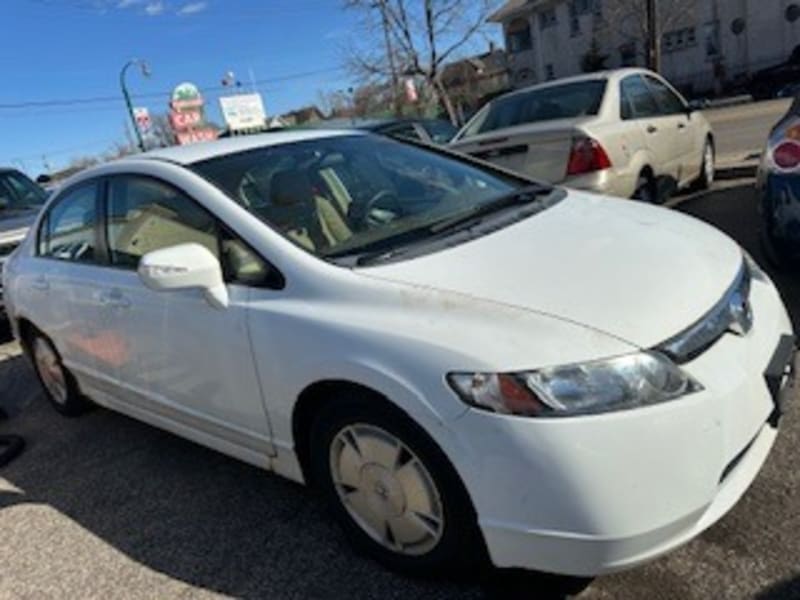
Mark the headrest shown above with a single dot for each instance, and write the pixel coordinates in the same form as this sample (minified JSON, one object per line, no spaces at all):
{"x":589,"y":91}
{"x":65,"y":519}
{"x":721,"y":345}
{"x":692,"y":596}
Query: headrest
{"x":290,"y":187}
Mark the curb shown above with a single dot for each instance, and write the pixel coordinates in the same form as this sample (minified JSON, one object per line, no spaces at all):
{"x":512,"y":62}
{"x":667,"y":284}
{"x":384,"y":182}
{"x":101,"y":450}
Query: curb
{"x":736,"y":171}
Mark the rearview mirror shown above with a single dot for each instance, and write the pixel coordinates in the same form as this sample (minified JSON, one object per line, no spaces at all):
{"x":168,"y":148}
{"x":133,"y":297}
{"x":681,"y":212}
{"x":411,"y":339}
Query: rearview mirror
{"x":182,"y":267}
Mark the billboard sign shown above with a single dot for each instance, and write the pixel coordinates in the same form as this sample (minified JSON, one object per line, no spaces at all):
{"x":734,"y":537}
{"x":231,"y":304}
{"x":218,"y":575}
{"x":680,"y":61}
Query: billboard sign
{"x":244,"y":111}
{"x":186,"y":116}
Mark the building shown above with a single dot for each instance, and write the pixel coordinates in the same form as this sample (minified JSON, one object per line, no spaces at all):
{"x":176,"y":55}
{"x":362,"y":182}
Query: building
{"x":472,"y":81}
{"x":707,"y":45}
{"x":301,"y":116}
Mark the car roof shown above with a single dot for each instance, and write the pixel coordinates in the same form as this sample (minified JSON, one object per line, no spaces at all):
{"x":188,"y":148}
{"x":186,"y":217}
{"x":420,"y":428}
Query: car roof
{"x":192,"y":153}
{"x":615,"y":74}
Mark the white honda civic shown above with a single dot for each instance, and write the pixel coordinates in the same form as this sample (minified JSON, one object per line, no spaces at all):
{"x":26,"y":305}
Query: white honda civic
{"x":465,"y":362}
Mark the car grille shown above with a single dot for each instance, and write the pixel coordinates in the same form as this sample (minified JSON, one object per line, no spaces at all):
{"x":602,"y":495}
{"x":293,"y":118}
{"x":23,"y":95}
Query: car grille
{"x":732,"y":314}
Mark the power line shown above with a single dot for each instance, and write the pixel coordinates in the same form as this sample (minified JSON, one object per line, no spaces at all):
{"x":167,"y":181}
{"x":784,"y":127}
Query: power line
{"x":118,"y":98}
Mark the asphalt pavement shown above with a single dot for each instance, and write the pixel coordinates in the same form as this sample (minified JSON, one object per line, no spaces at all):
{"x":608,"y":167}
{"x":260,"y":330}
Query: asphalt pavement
{"x":105,"y":507}
{"x":741,"y":131}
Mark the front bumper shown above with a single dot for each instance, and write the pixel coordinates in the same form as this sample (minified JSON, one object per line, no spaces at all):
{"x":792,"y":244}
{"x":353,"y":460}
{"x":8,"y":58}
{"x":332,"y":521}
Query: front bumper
{"x":590,"y":495}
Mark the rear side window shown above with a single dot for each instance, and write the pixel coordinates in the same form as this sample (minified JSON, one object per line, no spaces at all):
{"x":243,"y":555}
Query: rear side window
{"x":69,"y":229}
{"x":667,"y":101}
{"x":566,"y":101}
{"x":637,"y":101}
{"x":145,"y":215}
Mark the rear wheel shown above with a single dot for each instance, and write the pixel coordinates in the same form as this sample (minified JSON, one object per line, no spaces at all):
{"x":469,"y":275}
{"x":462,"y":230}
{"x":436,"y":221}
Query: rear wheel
{"x":707,"y":169}
{"x":392,"y":489}
{"x":59,"y":384}
{"x":646,"y":188}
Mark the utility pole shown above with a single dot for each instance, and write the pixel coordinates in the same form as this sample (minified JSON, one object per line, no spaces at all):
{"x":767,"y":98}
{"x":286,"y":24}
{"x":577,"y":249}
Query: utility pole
{"x":390,"y":55}
{"x":146,"y":73}
{"x":653,"y":37}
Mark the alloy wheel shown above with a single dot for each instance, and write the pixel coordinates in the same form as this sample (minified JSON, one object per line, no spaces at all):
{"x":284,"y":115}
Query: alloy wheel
{"x":386,"y":489}
{"x":50,"y":370}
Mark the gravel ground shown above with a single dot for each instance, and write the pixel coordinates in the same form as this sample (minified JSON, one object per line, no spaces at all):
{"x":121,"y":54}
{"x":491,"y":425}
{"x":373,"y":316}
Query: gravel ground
{"x":105,"y":507}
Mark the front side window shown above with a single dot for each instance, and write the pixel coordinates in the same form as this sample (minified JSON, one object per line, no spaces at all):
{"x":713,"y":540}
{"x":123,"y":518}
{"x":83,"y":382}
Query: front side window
{"x":345,"y":195}
{"x":69,"y":229}
{"x":554,"y":102}
{"x":637,"y":99}
{"x":144,"y":215}
{"x":666,"y":99}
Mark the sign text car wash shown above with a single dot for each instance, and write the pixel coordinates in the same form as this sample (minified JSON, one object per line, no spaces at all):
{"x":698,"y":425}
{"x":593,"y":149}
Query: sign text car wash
{"x":186,"y":116}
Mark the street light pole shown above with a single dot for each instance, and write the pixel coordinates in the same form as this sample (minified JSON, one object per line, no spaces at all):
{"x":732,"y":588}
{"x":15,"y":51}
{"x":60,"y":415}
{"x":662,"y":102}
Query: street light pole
{"x":653,"y":41}
{"x":146,"y":73}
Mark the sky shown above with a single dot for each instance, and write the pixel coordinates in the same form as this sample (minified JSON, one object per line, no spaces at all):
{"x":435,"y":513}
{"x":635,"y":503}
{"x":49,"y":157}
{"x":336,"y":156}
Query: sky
{"x":74,"y":49}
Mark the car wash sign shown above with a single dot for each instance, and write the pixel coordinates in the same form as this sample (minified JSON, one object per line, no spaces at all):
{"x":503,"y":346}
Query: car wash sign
{"x":186,"y":116}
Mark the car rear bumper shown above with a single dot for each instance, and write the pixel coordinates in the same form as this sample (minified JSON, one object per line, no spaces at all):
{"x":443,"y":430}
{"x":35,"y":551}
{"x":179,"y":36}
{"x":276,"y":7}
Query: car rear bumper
{"x":609,"y":182}
{"x":590,"y":495}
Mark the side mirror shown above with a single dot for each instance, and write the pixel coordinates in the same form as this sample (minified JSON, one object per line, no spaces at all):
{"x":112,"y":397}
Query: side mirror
{"x":183,"y":267}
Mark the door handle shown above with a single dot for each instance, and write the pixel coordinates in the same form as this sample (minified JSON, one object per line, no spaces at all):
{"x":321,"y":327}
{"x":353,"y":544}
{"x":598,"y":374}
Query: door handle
{"x":113,"y":298}
{"x":652,"y":129}
{"x":40,"y":283}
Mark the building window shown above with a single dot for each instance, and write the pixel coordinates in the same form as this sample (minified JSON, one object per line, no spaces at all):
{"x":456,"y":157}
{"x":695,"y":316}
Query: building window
{"x":597,"y":8}
{"x":580,"y":7}
{"x":519,"y":36}
{"x":711,"y":39}
{"x":574,"y":26}
{"x":679,"y":39}
{"x":547,"y":18}
{"x":550,"y":72}
{"x":792,"y":12}
{"x":737,"y":26}
{"x":627,"y":54}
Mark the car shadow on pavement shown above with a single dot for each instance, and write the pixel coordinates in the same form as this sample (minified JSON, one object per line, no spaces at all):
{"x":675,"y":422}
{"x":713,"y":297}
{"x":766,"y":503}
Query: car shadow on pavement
{"x":735,"y":211}
{"x":192,"y":514}
{"x":784,"y":590}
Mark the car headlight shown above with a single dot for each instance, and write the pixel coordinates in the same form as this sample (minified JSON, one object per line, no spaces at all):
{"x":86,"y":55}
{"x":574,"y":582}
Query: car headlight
{"x":620,"y":383}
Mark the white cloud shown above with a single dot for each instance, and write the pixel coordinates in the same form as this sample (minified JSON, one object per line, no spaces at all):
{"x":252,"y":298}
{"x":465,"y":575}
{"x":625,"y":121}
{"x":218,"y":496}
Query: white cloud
{"x":154,"y":9}
{"x":193,"y":8}
{"x":127,"y":3}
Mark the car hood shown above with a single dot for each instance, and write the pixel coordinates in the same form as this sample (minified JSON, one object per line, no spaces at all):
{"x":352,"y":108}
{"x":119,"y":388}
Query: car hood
{"x":15,"y":224}
{"x":637,"y":272}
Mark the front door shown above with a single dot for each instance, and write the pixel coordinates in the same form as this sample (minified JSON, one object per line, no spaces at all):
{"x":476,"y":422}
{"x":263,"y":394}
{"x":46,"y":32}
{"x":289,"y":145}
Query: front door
{"x":179,"y":359}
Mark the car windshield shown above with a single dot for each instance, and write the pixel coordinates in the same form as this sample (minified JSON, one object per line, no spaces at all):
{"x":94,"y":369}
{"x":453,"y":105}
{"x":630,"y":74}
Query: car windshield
{"x":344,"y":195}
{"x":17,"y":192}
{"x":545,"y":104}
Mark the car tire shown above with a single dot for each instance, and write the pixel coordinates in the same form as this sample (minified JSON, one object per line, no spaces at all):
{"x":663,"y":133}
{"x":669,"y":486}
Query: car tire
{"x":58,"y":383}
{"x":771,"y":252}
{"x":391,"y":488}
{"x":646,"y":189}
{"x":707,"y":167}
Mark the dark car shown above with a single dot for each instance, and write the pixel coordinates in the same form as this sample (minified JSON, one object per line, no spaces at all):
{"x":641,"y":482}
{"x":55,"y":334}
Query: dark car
{"x":20,"y":201}
{"x":778,"y":184}
{"x":435,"y":131}
{"x":767,"y":83}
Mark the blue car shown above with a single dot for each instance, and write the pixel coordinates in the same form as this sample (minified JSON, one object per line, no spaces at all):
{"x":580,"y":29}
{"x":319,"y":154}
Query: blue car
{"x":778,"y":184}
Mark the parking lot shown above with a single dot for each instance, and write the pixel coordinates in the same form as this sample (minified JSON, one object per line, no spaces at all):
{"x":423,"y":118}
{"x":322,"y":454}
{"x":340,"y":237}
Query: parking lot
{"x":103,"y":506}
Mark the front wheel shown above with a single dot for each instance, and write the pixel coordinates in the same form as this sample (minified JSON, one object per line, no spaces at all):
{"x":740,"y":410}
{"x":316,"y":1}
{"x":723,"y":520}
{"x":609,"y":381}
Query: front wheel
{"x":392,"y":489}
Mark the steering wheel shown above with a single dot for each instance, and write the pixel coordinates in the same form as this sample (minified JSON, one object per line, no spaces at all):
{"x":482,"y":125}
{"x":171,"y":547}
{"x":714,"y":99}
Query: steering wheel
{"x":374,"y":215}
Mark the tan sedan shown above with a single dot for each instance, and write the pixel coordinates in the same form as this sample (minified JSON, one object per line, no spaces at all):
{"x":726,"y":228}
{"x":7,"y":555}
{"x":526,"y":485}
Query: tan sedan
{"x":625,"y":132}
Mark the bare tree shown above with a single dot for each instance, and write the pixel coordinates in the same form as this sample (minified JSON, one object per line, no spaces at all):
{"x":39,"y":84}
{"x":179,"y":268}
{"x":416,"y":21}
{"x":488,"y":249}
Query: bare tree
{"x":416,"y":38}
{"x":630,"y":18}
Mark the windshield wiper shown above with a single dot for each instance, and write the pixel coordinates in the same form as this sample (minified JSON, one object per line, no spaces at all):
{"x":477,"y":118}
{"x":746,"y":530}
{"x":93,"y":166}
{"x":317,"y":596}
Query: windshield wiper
{"x":518,"y":197}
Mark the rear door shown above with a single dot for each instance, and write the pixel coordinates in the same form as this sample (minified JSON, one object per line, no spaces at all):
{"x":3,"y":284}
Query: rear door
{"x":689,"y":152}
{"x":660,"y":131}
{"x":67,"y":255}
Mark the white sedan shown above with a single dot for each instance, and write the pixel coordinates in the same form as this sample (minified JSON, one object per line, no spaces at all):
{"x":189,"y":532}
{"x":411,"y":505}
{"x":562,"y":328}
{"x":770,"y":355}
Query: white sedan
{"x":462,"y":360}
{"x":626,"y":132}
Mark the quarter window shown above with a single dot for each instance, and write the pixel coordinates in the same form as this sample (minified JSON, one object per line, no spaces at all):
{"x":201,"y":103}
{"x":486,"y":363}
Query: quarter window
{"x":69,"y":231}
